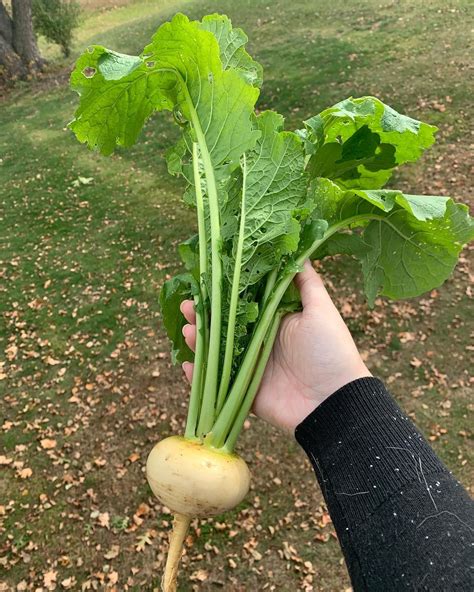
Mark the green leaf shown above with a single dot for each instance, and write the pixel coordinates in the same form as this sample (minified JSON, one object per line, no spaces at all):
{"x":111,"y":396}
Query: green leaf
{"x":232,"y":46}
{"x":180,"y":70}
{"x":173,"y":292}
{"x":189,"y":253}
{"x":275,"y":191}
{"x":403,"y":256}
{"x":118,"y":93}
{"x":359,"y":142}
{"x":247,"y":314}
{"x":409,"y":243}
{"x":222,"y":99}
{"x":334,"y":203}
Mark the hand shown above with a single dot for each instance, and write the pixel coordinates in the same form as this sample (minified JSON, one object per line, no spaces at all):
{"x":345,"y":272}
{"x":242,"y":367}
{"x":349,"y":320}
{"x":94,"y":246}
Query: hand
{"x":313,"y":356}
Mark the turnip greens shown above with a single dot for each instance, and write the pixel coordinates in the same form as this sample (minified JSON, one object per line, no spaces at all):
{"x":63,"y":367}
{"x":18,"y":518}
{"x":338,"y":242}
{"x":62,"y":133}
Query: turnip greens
{"x":265,"y":198}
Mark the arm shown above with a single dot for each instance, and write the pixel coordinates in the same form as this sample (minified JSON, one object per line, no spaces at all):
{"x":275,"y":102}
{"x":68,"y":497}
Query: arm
{"x":402,"y":519}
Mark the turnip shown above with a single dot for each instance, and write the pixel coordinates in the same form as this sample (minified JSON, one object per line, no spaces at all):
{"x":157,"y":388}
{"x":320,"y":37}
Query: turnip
{"x":193,"y":480}
{"x":265,"y":199}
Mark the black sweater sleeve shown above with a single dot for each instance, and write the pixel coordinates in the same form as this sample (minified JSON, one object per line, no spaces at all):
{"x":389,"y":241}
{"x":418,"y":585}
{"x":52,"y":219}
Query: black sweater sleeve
{"x":402,"y":519}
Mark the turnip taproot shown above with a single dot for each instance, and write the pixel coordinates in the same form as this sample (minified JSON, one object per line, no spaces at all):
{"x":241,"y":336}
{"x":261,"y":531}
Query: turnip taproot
{"x":193,"y":480}
{"x":265,"y":199}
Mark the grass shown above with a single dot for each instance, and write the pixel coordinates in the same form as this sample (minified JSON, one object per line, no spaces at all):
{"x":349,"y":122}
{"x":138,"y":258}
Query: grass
{"x":86,"y":364}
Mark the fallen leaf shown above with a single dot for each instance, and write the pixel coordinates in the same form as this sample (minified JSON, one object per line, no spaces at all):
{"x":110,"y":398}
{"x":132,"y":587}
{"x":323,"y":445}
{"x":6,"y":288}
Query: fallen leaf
{"x":113,"y":552}
{"x":49,"y":579}
{"x":142,"y":510}
{"x":201,"y":575}
{"x":68,"y":583}
{"x":52,"y":362}
{"x":142,"y":541}
{"x":48,"y":443}
{"x":11,"y":352}
{"x":104,"y":519}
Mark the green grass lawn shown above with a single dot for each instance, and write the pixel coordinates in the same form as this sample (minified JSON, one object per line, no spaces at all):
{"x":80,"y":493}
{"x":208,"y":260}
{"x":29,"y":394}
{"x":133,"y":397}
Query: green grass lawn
{"x":85,"y":243}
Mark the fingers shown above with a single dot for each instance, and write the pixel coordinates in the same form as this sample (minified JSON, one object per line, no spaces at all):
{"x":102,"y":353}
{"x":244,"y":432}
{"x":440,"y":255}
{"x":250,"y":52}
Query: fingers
{"x":188,"y":368}
{"x":189,"y":332}
{"x":311,"y":287}
{"x":187,"y":308}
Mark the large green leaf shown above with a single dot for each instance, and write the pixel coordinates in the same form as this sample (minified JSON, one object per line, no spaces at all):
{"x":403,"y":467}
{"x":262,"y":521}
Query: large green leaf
{"x":409,"y":243}
{"x":275,"y":191}
{"x":403,"y":256}
{"x":118,"y":93}
{"x":359,"y":142}
{"x":334,"y":203}
{"x":180,"y":70}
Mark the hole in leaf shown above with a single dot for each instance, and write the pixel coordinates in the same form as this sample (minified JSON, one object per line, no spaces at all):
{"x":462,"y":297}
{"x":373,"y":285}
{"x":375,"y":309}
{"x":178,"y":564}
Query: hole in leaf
{"x":150,"y":64}
{"x":89,"y":72}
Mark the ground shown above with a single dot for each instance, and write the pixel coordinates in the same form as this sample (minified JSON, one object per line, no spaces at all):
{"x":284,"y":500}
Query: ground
{"x":86,"y":379}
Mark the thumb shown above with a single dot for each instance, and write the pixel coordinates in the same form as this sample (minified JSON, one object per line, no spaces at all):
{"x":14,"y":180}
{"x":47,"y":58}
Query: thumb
{"x":311,"y":288}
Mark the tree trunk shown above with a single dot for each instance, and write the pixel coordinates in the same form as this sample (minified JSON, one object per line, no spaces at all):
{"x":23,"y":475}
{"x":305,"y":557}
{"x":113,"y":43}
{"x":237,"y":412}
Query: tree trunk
{"x":19,"y":53}
{"x":11,"y":65}
{"x":24,"y":40}
{"x":6,"y":30}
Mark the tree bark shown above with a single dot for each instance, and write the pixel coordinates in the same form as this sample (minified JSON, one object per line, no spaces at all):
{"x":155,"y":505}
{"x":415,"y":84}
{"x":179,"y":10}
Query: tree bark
{"x":19,"y":53}
{"x":24,"y":40}
{"x":11,"y":65}
{"x":6,"y":27}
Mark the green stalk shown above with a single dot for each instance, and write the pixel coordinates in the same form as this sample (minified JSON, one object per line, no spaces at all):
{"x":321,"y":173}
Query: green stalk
{"x":234,"y":300}
{"x":271,"y":280}
{"x":241,"y":383}
{"x":203,"y":260}
{"x":200,"y":308}
{"x":254,"y":385}
{"x":201,"y":222}
{"x":207,"y":415}
{"x":228,"y":414}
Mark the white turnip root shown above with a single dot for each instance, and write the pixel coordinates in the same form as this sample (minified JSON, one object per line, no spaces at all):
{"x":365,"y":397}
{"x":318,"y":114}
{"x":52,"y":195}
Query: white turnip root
{"x":193,"y":480}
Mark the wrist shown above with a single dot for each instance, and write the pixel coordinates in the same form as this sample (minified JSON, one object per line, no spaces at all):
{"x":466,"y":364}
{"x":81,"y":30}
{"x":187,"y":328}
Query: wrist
{"x":326,"y":388}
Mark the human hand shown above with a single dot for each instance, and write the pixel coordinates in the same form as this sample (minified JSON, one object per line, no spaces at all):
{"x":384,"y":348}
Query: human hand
{"x":313,"y":356}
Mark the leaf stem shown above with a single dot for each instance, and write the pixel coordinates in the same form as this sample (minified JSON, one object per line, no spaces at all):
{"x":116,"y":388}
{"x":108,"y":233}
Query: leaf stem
{"x":234,"y":299}
{"x":198,"y":373}
{"x":207,"y":414}
{"x":254,"y":385}
{"x":271,"y":280}
{"x":200,"y":308}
